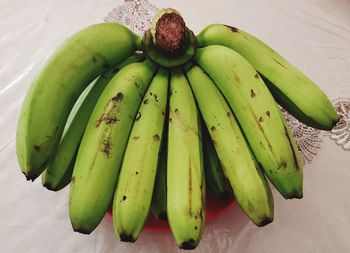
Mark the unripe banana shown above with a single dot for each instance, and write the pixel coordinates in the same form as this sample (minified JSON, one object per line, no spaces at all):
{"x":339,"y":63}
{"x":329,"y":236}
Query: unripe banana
{"x":159,"y":202}
{"x":75,"y":64}
{"x":291,"y":88}
{"x":214,"y":174}
{"x":185,"y":173}
{"x":248,"y":183}
{"x":258,"y":116}
{"x":102,"y":147}
{"x":58,"y":174}
{"x":132,"y":198}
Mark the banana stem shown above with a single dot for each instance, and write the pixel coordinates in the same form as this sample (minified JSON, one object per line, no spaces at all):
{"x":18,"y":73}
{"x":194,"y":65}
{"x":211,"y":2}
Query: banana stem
{"x":169,"y":32}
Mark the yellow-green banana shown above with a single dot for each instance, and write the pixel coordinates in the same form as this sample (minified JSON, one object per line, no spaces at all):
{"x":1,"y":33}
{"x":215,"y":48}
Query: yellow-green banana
{"x":185,"y":173}
{"x":58,"y":174}
{"x":133,"y":195}
{"x":102,"y":147}
{"x":214,"y":174}
{"x":258,"y":116}
{"x":75,"y":64}
{"x":158,"y":205}
{"x":291,"y":88}
{"x":249,"y":185}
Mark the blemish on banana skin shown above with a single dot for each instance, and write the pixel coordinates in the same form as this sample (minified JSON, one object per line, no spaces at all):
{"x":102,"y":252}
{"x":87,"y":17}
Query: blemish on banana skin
{"x":233,"y":29}
{"x":236,"y":30}
{"x":106,"y":147}
{"x":109,"y":117}
{"x":156,"y":137}
{"x":252,"y":93}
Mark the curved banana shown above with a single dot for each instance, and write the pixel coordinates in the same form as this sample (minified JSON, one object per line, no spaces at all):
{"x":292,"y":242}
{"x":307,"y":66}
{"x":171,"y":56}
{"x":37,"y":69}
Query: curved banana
{"x":248,"y":183}
{"x":58,"y":174}
{"x":75,"y":64}
{"x":159,"y":202}
{"x":185,"y":173}
{"x":133,"y":195}
{"x":258,"y":116}
{"x":102,"y":147}
{"x":214,"y":174}
{"x":291,"y":88}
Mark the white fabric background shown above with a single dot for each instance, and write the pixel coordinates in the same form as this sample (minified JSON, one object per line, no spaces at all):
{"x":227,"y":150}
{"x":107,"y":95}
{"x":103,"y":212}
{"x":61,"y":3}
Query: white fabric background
{"x":314,"y":35}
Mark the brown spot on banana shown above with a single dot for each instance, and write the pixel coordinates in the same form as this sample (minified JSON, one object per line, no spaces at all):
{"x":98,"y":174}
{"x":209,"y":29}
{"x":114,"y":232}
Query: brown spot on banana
{"x":106,"y":147}
{"x":119,"y":97}
{"x":109,"y":116}
{"x":260,"y":128}
{"x":233,"y":29}
{"x":238,"y":80}
{"x":156,"y":137}
{"x":252,"y":93}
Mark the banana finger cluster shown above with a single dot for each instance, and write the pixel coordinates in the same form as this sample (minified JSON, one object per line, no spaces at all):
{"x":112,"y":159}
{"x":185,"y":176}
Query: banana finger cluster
{"x":147,"y":124}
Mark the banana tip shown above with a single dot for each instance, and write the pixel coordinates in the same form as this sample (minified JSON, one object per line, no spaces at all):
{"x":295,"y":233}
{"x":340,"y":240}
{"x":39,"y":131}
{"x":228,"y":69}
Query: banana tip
{"x":188,"y":245}
{"x":29,"y":177}
{"x":81,"y":231}
{"x":265,"y":222}
{"x":294,"y":195}
{"x":49,"y":186}
{"x":127,"y":238}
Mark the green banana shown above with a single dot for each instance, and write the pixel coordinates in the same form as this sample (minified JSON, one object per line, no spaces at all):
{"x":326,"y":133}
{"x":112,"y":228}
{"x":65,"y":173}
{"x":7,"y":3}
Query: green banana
{"x":133,"y":195}
{"x":102,"y":147}
{"x":158,"y":205}
{"x":248,"y":183}
{"x":258,"y":116}
{"x":214,"y":174}
{"x":75,"y":64}
{"x":185,"y":173}
{"x":58,"y":174}
{"x":291,"y":88}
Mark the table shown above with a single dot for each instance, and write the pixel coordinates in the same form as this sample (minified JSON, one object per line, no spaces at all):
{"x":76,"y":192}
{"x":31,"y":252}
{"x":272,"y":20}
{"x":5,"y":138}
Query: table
{"x":314,"y":35}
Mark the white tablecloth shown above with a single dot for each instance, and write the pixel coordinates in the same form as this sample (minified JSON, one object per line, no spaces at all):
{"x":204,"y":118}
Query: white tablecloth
{"x":314,"y":35}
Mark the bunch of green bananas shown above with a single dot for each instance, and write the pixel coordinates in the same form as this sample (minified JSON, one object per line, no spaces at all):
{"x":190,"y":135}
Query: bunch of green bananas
{"x":168,"y":114}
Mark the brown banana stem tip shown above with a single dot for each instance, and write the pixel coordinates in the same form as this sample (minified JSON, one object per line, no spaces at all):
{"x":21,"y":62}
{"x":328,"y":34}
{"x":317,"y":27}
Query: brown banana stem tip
{"x":171,"y":33}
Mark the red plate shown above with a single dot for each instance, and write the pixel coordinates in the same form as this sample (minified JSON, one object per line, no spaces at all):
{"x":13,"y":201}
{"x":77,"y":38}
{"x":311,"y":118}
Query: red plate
{"x":215,"y":207}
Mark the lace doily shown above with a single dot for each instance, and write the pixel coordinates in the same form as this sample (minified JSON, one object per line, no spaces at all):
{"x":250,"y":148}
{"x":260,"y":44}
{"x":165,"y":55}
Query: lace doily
{"x":308,"y":139}
{"x":137,"y":15}
{"x":341,"y":132}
